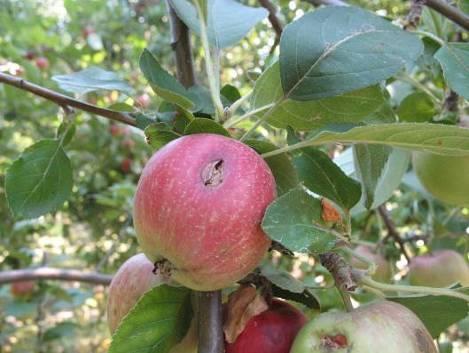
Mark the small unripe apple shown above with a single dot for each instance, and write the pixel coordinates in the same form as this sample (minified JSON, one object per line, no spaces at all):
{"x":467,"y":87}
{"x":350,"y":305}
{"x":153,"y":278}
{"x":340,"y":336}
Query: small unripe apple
{"x":133,"y":279}
{"x":383,"y":327}
{"x":42,"y":63}
{"x":199,"y":206}
{"x":22,"y":289}
{"x":383,"y":267}
{"x":445,"y":177}
{"x":272,"y":331}
{"x":441,"y":268}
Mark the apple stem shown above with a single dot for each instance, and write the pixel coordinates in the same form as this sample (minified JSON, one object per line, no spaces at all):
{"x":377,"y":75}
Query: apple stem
{"x":347,"y":300}
{"x":365,"y":280}
{"x":371,"y":265}
{"x":210,"y":321}
{"x":236,"y":105}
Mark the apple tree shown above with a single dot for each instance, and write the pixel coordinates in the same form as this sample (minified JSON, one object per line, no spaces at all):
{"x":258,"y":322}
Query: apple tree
{"x":311,"y":195}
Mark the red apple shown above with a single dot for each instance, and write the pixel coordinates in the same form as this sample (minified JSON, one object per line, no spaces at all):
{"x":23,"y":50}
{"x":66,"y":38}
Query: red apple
{"x":383,"y":267}
{"x":126,"y":165}
{"x":272,"y":331}
{"x":132,"y":280}
{"x":383,"y":327}
{"x":42,"y":63}
{"x":143,"y":101}
{"x":117,"y":130}
{"x":199,"y":205}
{"x":22,"y":289}
{"x":441,"y":268}
{"x":87,"y":30}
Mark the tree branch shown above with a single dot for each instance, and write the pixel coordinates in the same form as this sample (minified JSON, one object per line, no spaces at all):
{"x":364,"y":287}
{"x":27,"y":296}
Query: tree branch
{"x":182,"y":48}
{"x":392,"y":231}
{"x":274,"y":21}
{"x":451,"y":12}
{"x":50,"y":273}
{"x":209,"y":306}
{"x":414,"y":15}
{"x":65,"y":101}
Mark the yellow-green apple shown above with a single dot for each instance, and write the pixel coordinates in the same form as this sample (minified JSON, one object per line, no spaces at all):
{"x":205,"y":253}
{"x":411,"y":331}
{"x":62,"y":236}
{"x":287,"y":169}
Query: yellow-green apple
{"x":198,"y":208}
{"x":383,"y":271}
{"x":440,"y":268}
{"x":132,"y":280}
{"x":383,"y":327}
{"x":445,"y":177}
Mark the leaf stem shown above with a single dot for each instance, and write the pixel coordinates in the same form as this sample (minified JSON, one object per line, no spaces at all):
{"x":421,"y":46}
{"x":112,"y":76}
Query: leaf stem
{"x":371,"y":265}
{"x":235,"y":120}
{"x":431,"y":36}
{"x":212,"y":76}
{"x":235,"y":106}
{"x":419,"y":86}
{"x":412,"y":289}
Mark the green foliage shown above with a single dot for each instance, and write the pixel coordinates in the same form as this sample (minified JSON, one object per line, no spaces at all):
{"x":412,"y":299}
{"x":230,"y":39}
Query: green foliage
{"x":453,"y":58}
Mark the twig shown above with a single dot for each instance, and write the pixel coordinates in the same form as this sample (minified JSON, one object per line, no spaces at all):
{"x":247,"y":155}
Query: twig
{"x":50,"y":273}
{"x":340,"y":270}
{"x":65,"y":101}
{"x":392,"y":231}
{"x":451,"y":12}
{"x":182,"y":49}
{"x":274,"y":21}
{"x":415,"y":13}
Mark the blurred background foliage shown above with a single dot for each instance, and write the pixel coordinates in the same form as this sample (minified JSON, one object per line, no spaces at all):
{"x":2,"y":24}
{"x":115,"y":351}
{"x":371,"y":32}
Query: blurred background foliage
{"x":93,"y":231}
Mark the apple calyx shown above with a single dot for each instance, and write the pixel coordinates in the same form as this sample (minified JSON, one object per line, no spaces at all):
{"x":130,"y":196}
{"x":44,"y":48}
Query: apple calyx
{"x":212,"y":174}
{"x":338,"y":341}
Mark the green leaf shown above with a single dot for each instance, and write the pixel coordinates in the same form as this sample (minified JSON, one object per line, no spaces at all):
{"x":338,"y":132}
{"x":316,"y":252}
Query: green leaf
{"x":202,"y":99}
{"x":159,"y":134}
{"x":64,"y":329}
{"x":165,"y":85}
{"x":335,"y":50}
{"x":231,"y":93}
{"x":204,"y":125}
{"x":380,"y":170}
{"x":285,"y":286}
{"x":40,"y":180}
{"x":353,"y":107}
{"x":281,"y":165}
{"x":90,"y":80}
{"x":323,"y":177}
{"x":294,"y":220}
{"x":454,"y":59}
{"x":436,"y":138}
{"x":417,"y":107}
{"x":228,"y":20}
{"x":159,"y":320}
{"x":436,"y":312}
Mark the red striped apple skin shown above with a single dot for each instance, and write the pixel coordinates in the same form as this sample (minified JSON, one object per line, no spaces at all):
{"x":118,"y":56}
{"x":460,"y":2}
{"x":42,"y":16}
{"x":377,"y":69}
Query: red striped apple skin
{"x":199,"y":205}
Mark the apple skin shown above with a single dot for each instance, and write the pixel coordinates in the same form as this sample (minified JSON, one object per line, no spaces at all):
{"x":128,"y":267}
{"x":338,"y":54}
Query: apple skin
{"x":272,"y":331}
{"x":133,"y":279}
{"x":383,"y":327}
{"x":199,"y":205}
{"x":441,"y":268}
{"x":383,"y":268}
{"x":22,"y":289}
{"x":445,"y":177}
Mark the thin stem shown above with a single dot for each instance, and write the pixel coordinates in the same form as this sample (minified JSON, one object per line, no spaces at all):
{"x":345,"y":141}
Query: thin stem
{"x":288,"y":148}
{"x":392,"y":230}
{"x":262,"y":118}
{"x":375,"y":291}
{"x":419,"y":86}
{"x":371,"y":265}
{"x":437,"y":39}
{"x":235,"y":120}
{"x":451,"y":12}
{"x":236,"y":105}
{"x":347,"y":301}
{"x":412,"y":289}
{"x":210,"y":322}
{"x":66,"y":101}
{"x":209,"y":67}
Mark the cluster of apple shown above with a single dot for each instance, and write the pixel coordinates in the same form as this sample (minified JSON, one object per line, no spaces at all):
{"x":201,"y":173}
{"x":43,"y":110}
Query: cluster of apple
{"x":197,"y":213}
